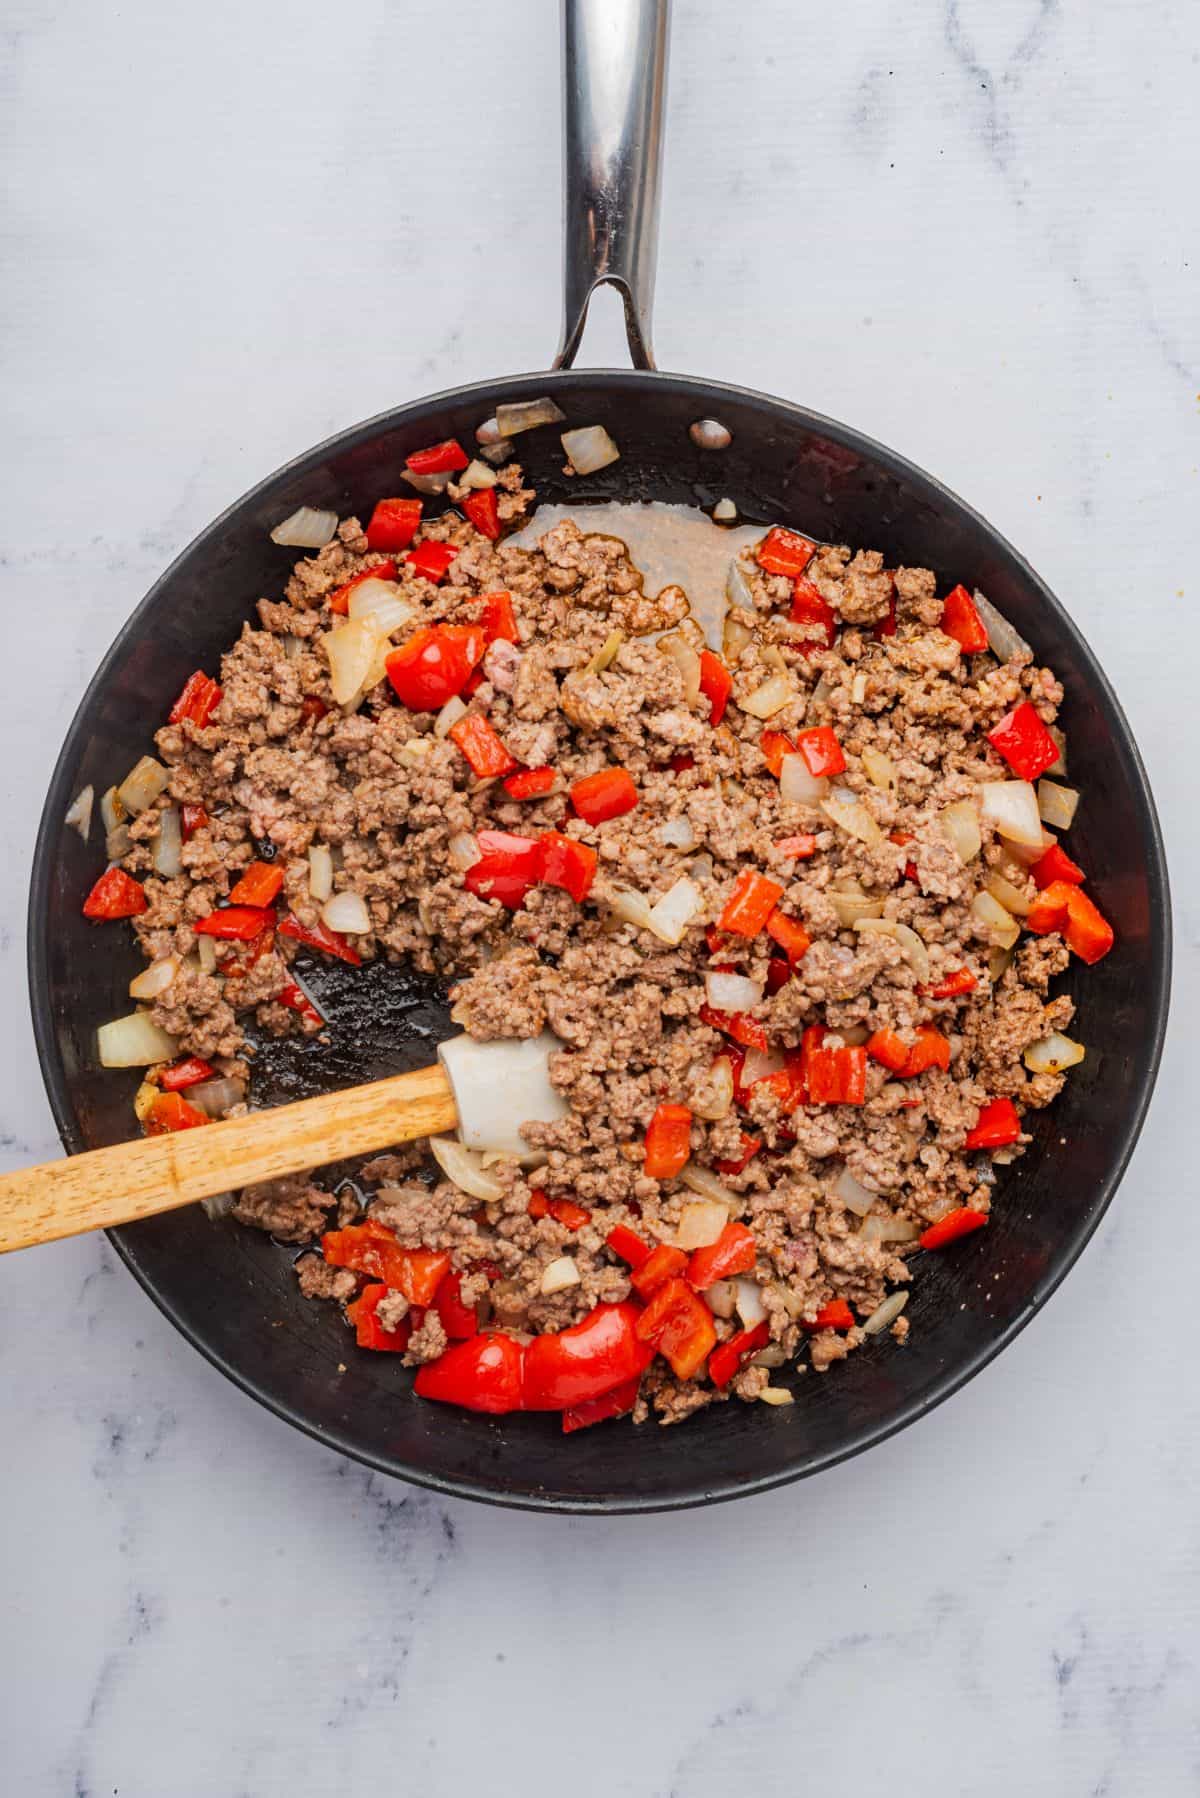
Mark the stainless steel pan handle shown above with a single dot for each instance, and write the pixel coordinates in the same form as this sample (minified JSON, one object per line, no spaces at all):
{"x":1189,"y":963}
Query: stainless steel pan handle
{"x":614,"y":83}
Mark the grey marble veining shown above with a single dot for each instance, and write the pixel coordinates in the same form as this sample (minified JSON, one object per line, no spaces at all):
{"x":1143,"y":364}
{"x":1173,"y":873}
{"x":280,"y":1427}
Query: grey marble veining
{"x":969,"y":228}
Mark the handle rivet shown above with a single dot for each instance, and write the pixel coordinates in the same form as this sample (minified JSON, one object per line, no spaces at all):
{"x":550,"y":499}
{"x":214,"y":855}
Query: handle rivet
{"x":710,"y":434}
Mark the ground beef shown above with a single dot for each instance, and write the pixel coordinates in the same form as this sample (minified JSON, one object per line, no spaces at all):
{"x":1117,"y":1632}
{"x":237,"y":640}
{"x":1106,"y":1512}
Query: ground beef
{"x":281,"y":769}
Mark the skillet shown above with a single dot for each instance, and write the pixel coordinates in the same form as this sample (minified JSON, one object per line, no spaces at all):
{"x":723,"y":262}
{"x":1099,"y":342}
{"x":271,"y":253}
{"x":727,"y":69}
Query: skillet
{"x":229,"y":1290}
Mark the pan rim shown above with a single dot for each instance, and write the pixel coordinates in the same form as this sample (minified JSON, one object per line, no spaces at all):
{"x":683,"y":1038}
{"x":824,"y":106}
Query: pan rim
{"x":1159,"y":977}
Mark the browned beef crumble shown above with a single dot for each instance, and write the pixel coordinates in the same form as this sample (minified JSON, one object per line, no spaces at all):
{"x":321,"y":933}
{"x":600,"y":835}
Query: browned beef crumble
{"x":387,"y":797}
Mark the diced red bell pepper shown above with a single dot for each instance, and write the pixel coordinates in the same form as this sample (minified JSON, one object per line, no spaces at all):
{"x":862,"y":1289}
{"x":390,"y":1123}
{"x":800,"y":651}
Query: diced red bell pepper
{"x":739,"y":1025}
{"x":734,"y":1252}
{"x":961,"y":621}
{"x":199,"y":700}
{"x":596,"y":1410}
{"x":952,"y":1226}
{"x":431,"y":560}
{"x":499,"y":619}
{"x":608,"y":793}
{"x":481,"y":1374}
{"x":835,"y":1314}
{"x":439,"y":458}
{"x":483,"y":748}
{"x":369,"y":1333}
{"x":679,"y":764}
{"x":996,"y":1126}
{"x":779,"y":972}
{"x":716,"y":684}
{"x":433,"y":665}
{"x":371,"y":1248}
{"x":789,"y":933}
{"x":507,"y":868}
{"x":836,"y":1076}
{"x":483,"y":510}
{"x":730,"y":1356}
{"x":668,"y":1142}
{"x":1088,"y":932}
{"x":784,"y":552}
{"x":737,"y":1164}
{"x":312,"y":709}
{"x":255,"y":949}
{"x":1057,"y":865}
{"x":170,"y":1112}
{"x":628,"y":1245}
{"x":570,"y":1367}
{"x":680,"y":1326}
{"x":564,"y":1211}
{"x":458,"y":1320}
{"x":886,"y":626}
{"x":191,"y":819}
{"x":1049,"y":910}
{"x":821,"y":751}
{"x":115,"y":895}
{"x":888,"y":1048}
{"x":182,"y":1074}
{"x":808,"y":607}
{"x":530,"y":783}
{"x":296,"y":999}
{"x":260,"y":885}
{"x":1024,"y":742}
{"x":930,"y":1050}
{"x":750,"y":904}
{"x":319,"y":936}
{"x":566,"y":863}
{"x":235,"y":923}
{"x":663,"y":1263}
{"x":774,"y":745}
{"x":339,"y":599}
{"x":797,"y":848}
{"x":954,"y":985}
{"x":393,"y":525}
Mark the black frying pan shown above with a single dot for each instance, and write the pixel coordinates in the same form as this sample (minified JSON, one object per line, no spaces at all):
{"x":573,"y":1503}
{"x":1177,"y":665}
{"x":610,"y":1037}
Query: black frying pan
{"x":230,"y":1290}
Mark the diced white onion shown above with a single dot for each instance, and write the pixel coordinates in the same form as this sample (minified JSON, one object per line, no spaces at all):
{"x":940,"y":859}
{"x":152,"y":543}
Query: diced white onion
{"x":630,"y":907}
{"x":1003,"y":639}
{"x":216,"y":1096}
{"x":381,"y":601}
{"x":429,"y":484}
{"x":960,"y":822}
{"x":797,"y":786}
{"x":415,"y":750}
{"x":526,"y":415}
{"x":605,"y":654}
{"x":732,"y":992}
{"x":885,"y":1315}
{"x":725,"y":511}
{"x":488,"y":432}
{"x":79,"y":812}
{"x":477,"y":475}
{"x":1057,"y":804}
{"x":1011,"y":897}
{"x":760,"y":1063}
{"x":717,"y":1101}
{"x":913,"y":949}
{"x":142,"y":785}
{"x":462,"y":1166}
{"x":748,"y":1299}
{"x":168,"y":844}
{"x":775,"y":692}
{"x":320,"y":872}
{"x":701,"y":867}
{"x":306,"y":528}
{"x":678,"y":650}
{"x":560,"y":1274}
{"x":1012,"y":806}
{"x":454,"y":709}
{"x":998,"y":925}
{"x":144,"y":1100}
{"x":700,"y":1224}
{"x":1053,"y":1054}
{"x":118,"y":843}
{"x":885,"y":1227}
{"x":293,"y":647}
{"x":677,"y":833}
{"x":351,"y":650}
{"x":206,"y":954}
{"x":1059,"y":768}
{"x":1027,"y":853}
{"x":737,"y":587}
{"x":851,"y":906}
{"x":853,"y":1193}
{"x":734,"y":638}
{"x":705,"y":1182}
{"x":670,"y":918}
{"x":499,"y":452}
{"x":719,"y":1299}
{"x":777,"y":1396}
{"x":997,"y":961}
{"x":347,"y":914}
{"x":880,"y":770}
{"x":854,"y":819}
{"x":588,"y":449}
{"x":112,"y":812}
{"x":464,"y":849}
{"x":155,"y":979}
{"x":134,"y":1042}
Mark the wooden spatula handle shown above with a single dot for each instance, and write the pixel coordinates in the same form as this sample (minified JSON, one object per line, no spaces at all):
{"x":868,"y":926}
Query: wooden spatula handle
{"x":137,"y":1179}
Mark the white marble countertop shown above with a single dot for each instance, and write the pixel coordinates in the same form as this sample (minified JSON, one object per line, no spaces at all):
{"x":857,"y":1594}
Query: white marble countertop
{"x":967,"y":227}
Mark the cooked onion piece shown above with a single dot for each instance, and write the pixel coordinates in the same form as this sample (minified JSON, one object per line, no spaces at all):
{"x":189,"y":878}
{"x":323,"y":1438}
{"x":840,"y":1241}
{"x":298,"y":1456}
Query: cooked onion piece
{"x":1053,"y":1054}
{"x":526,"y":415}
{"x":306,"y":529}
{"x":670,"y":918}
{"x":879,"y":769}
{"x":140,"y":787}
{"x":678,"y":650}
{"x":79,"y":812}
{"x":700,"y":1223}
{"x":885,"y":1314}
{"x":168,"y":844}
{"x":320,"y":872}
{"x":677,"y":833}
{"x":462,"y":1166}
{"x":155,"y":979}
{"x":1011,"y":897}
{"x":997,"y":925}
{"x":217,"y":1096}
{"x":134,"y":1042}
{"x":960,"y":822}
{"x":1057,"y":804}
{"x":347,"y":914}
{"x":1004,"y":640}
{"x":718,"y":1095}
{"x":797,"y":786}
{"x":732,"y":992}
{"x":854,"y":819}
{"x":560,"y":1274}
{"x":853,"y":1194}
{"x":1012,"y":806}
{"x":748,"y":1299}
{"x":775,"y":692}
{"x":588,"y":448}
{"x":351,"y":650}
{"x":705,"y":1182}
